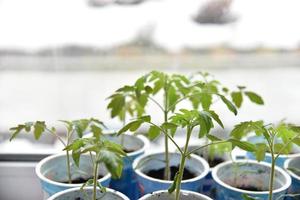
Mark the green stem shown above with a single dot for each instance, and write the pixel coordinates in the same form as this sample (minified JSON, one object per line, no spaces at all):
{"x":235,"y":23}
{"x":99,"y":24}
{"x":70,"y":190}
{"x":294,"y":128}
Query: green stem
{"x":272,"y":178}
{"x":167,"y":159}
{"x":182,"y":164}
{"x":165,"y":109}
{"x":69,"y":168}
{"x":95,"y":181}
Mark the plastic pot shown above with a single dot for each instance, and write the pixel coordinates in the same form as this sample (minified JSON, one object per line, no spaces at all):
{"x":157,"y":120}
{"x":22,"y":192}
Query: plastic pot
{"x":184,"y":195}
{"x":52,"y":172}
{"x":155,"y":161}
{"x":127,"y":184}
{"x":295,"y":186}
{"x":209,"y":187}
{"x":268,"y":158}
{"x":248,"y":177}
{"x":76,"y":193}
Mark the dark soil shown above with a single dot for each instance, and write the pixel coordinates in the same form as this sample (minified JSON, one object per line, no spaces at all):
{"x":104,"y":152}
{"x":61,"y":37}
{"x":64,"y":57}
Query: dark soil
{"x":212,"y":161}
{"x":81,"y":180}
{"x":128,"y":150}
{"x":159,"y":174}
{"x":215,"y":161}
{"x":250,"y":188}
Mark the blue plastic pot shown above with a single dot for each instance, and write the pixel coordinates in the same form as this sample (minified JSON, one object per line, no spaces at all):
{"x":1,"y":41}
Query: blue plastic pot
{"x":155,"y":161}
{"x":209,"y":187}
{"x":184,"y":195}
{"x":52,"y":172}
{"x":75,"y":193}
{"x":268,"y":158}
{"x":231,"y":177}
{"x":295,"y":187}
{"x":127,"y":184}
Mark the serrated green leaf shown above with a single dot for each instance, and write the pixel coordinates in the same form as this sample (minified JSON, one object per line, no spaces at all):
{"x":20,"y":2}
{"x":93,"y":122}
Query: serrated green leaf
{"x":229,"y":105}
{"x":148,"y":89}
{"x":255,"y":98}
{"x":16,"y":131}
{"x":215,"y":116}
{"x":112,"y":161}
{"x":242,"y":145}
{"x":39,"y":128}
{"x":260,"y":152}
{"x":116,"y":105}
{"x":213,"y":138}
{"x":153,"y":132}
{"x":130,"y":126}
{"x":237,"y":98}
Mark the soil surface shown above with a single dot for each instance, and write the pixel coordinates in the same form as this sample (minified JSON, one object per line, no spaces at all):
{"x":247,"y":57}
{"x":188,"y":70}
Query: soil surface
{"x":212,"y":161}
{"x":128,"y":150}
{"x":215,"y":161}
{"x":250,"y":188}
{"x":81,"y":180}
{"x":159,"y":174}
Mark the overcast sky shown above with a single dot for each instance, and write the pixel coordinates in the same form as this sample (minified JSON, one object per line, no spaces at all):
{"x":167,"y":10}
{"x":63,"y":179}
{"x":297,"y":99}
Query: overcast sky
{"x":38,"y":23}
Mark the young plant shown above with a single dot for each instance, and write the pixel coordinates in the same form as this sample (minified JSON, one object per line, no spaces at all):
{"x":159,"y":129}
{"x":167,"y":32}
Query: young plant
{"x":39,"y":127}
{"x":278,"y":140}
{"x":174,"y":89}
{"x":188,"y":120}
{"x":134,"y":99}
{"x":101,"y":150}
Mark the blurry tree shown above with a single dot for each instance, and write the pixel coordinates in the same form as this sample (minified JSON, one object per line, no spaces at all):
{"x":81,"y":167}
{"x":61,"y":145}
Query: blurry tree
{"x":215,"y":12}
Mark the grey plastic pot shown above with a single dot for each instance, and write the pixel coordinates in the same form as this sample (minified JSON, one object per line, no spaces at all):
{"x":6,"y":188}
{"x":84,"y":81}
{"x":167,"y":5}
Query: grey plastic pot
{"x":232,"y":179}
{"x":155,"y":161}
{"x":127,"y":183}
{"x":76,"y":193}
{"x":52,"y":172}
{"x":295,"y":187}
{"x":209,"y":187}
{"x":184,"y":195}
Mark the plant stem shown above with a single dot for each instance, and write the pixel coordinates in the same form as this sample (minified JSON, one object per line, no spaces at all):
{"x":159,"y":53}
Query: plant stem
{"x":182,"y":164}
{"x":167,"y":159}
{"x":95,"y":181}
{"x":272,"y":177}
{"x":69,"y":168}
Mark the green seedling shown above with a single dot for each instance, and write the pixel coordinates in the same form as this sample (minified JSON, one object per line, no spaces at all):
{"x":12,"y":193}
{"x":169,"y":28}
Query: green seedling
{"x":187,"y":120}
{"x":101,"y":150}
{"x":200,"y":90}
{"x":278,"y":140}
{"x":39,"y":127}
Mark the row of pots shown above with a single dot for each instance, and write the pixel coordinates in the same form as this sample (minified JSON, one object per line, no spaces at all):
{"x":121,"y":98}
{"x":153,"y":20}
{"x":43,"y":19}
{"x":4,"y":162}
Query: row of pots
{"x":230,"y":179}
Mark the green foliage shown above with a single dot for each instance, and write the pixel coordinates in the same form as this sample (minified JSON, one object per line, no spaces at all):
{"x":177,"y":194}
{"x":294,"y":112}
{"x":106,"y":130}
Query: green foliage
{"x":39,"y":127}
{"x":106,"y":152}
{"x":278,"y":140}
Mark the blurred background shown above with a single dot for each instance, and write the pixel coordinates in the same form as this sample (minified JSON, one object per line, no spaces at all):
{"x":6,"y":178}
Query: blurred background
{"x":60,"y":59}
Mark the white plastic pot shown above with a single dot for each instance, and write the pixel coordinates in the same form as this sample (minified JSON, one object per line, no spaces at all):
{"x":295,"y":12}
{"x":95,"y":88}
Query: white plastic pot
{"x":76,"y":193}
{"x":184,"y":195}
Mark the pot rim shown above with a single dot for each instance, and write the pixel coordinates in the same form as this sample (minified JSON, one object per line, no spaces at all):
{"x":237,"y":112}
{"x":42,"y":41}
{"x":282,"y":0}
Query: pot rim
{"x":141,"y":150}
{"x":44,"y":178}
{"x":291,"y":155}
{"x":286,"y":165}
{"x":198,"y":158}
{"x":78,"y":188}
{"x":278,"y":169}
{"x":181,"y":191}
{"x":142,"y":138}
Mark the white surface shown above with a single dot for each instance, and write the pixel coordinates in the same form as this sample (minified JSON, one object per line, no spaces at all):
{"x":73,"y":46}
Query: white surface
{"x":19,"y":182}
